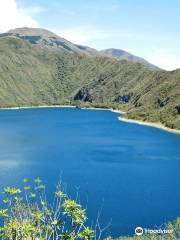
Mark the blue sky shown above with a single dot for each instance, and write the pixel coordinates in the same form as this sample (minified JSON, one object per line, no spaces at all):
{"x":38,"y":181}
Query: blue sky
{"x":149,"y":29}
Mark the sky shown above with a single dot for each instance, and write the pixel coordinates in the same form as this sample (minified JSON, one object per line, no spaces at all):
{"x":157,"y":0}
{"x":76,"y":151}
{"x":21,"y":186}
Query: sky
{"x":146,"y":28}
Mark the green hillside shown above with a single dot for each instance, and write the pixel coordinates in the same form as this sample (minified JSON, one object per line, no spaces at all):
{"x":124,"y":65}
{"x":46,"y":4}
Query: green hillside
{"x":123,"y":55}
{"x":43,"y":71}
{"x":145,"y":95}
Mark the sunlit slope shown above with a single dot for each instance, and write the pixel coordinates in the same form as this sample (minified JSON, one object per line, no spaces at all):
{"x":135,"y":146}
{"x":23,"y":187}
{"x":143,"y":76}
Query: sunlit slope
{"x":33,"y":74}
{"x":147,"y":96}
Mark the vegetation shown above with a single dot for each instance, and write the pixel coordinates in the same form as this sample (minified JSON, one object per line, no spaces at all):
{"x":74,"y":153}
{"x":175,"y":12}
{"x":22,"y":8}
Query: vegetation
{"x":121,"y":54}
{"x":28,"y":215}
{"x":51,"y":72}
{"x":145,"y":95}
{"x":174,"y":233}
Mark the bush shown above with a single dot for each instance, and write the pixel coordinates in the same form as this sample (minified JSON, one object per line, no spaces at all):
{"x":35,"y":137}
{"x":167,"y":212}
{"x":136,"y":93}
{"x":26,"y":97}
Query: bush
{"x":28,"y":215}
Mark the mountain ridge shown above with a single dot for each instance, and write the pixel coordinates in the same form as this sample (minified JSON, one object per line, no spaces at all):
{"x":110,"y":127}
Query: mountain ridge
{"x":48,"y":38}
{"x":43,"y":37}
{"x":43,"y":74}
{"x":121,"y":54}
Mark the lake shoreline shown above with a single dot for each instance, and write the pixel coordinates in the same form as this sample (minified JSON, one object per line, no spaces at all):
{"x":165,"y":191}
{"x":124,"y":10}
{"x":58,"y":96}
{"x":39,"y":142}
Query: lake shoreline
{"x":139,"y":122}
{"x":122,"y":119}
{"x":149,"y":124}
{"x":40,"y":106}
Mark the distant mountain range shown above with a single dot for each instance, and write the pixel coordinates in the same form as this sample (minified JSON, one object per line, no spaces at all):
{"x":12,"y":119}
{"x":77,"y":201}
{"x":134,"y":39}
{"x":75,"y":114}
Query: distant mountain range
{"x":37,"y":67}
{"x":45,"y":37}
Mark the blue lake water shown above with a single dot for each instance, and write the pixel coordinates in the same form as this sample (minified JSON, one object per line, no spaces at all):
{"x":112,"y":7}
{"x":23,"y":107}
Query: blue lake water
{"x":131,"y":171}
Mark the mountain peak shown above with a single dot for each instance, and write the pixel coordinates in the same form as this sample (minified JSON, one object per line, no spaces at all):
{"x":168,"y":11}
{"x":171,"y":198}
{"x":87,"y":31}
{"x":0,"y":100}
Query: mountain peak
{"x":124,"y":55}
{"x":46,"y":38}
{"x":33,"y":32}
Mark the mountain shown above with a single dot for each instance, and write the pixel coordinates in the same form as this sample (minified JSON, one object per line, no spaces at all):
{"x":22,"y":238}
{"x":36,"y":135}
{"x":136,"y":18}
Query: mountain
{"x":123,"y":55}
{"x":89,"y":51}
{"x":147,"y":96}
{"x":48,"y":39}
{"x":44,"y":38}
{"x":36,"y":70}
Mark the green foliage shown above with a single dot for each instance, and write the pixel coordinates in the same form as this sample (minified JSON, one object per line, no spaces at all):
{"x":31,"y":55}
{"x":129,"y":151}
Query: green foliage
{"x":33,"y":75}
{"x":174,"y":235}
{"x":28,"y":215}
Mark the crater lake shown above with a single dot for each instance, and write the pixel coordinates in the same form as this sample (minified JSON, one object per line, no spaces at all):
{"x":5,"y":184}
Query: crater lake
{"x":130,"y":173}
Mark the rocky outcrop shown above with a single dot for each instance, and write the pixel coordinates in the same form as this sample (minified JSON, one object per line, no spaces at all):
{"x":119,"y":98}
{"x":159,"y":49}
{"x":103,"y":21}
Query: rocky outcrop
{"x":162,"y":103}
{"x":177,"y":108}
{"x":83,"y":95}
{"x":123,"y":99}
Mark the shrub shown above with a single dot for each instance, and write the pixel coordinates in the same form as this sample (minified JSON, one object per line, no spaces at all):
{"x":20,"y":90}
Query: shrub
{"x":28,"y":215}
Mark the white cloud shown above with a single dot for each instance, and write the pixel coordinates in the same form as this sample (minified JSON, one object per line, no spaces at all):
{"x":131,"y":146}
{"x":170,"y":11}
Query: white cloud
{"x":11,"y":16}
{"x":32,"y":10}
{"x":87,"y":34}
{"x":165,"y":59}
{"x":81,"y":35}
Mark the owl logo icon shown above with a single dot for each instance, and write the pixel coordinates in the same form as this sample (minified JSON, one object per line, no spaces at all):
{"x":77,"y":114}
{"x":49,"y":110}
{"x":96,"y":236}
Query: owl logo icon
{"x":139,"y":231}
